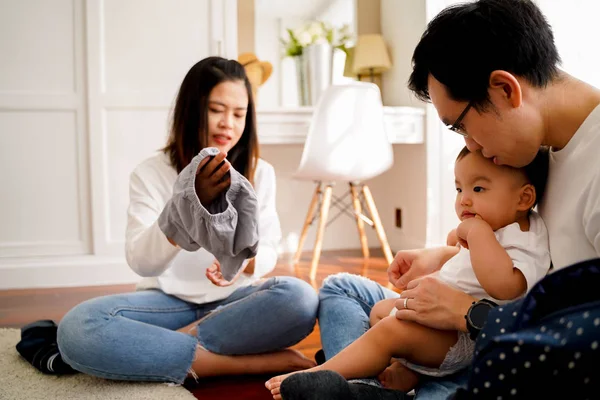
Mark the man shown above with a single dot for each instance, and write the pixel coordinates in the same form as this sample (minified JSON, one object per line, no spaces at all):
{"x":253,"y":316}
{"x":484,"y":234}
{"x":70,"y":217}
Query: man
{"x":490,"y":69}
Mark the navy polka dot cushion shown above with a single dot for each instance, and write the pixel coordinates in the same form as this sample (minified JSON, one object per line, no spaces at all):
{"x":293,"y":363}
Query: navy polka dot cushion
{"x":544,"y":346}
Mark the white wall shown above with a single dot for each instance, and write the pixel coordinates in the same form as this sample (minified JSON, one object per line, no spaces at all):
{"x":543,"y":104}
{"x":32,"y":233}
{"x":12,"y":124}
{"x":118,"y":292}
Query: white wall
{"x":402,"y":23}
{"x":69,"y":221}
{"x":42,"y":120}
{"x":394,"y":188}
{"x":85,"y":91}
{"x":422,"y":179}
{"x":576,"y":33}
{"x":271,"y":21}
{"x":403,"y":186}
{"x":268,"y":48}
{"x":442,"y":149}
{"x":293,"y":198}
{"x":339,"y":13}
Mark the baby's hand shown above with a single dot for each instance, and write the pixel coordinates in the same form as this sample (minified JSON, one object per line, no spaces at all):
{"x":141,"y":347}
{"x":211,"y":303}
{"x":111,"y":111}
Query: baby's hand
{"x":470,"y":226}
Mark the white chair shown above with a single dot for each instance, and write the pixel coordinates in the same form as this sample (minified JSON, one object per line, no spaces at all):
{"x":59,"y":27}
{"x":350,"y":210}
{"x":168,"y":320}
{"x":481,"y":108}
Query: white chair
{"x":346,"y":142}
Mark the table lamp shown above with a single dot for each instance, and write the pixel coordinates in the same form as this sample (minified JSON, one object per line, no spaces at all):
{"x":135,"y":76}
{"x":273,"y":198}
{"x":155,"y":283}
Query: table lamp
{"x":370,"y":56}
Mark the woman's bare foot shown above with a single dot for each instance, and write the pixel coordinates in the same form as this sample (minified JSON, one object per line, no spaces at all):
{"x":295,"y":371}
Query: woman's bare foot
{"x":274,"y":383}
{"x":398,"y":377}
{"x":211,"y":364}
{"x":289,"y":360}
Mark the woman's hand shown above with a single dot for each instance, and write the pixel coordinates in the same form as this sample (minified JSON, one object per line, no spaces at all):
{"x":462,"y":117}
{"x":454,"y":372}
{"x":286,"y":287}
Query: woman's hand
{"x":250,"y":267}
{"x":412,"y":264}
{"x":213,"y":273}
{"x":434,"y":304}
{"x":211,"y":178}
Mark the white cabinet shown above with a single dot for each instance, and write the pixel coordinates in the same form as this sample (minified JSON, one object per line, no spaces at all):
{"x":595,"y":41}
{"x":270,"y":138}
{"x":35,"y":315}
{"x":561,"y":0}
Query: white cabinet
{"x":404,"y":125}
{"x":43,"y":194}
{"x":85,"y":93}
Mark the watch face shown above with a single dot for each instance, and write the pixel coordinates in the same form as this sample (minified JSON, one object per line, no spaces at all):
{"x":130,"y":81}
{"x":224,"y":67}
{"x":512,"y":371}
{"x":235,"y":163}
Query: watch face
{"x":479,"y":314}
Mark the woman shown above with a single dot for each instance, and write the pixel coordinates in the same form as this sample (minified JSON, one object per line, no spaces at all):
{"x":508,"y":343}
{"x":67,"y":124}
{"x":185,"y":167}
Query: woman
{"x":190,"y":321}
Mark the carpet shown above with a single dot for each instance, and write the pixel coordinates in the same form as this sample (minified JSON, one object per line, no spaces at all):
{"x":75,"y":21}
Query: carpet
{"x":19,"y":380}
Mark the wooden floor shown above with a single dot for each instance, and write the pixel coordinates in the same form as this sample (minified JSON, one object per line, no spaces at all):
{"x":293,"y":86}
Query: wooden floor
{"x":19,"y":307}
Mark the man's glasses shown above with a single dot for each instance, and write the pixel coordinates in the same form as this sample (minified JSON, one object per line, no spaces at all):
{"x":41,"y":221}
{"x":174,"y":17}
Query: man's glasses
{"x":456,"y":126}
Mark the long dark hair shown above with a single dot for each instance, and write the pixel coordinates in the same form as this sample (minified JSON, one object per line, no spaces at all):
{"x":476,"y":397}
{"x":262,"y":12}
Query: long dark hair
{"x":189,"y":129}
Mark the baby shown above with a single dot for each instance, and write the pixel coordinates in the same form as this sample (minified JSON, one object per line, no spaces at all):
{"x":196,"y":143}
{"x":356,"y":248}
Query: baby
{"x":503,"y":253}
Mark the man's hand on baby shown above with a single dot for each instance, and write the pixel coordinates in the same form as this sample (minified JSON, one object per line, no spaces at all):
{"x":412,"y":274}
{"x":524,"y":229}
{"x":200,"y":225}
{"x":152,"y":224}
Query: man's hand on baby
{"x":433,"y":303}
{"x":212,"y":178}
{"x":470,"y":226}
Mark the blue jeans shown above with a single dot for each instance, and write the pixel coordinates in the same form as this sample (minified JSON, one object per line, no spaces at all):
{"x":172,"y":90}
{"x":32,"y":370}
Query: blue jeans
{"x":345,"y":305}
{"x":133,"y":336}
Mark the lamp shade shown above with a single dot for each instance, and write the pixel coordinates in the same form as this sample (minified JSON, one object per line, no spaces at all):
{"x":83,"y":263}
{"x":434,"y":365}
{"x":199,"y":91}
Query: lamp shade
{"x":371,"y":55}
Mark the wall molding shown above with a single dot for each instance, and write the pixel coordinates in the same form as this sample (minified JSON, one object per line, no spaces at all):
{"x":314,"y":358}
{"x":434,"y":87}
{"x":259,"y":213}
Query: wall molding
{"x":46,"y":272}
{"x":404,"y":125}
{"x":42,"y":248}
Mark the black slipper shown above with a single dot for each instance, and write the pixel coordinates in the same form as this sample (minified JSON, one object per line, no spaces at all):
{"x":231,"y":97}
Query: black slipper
{"x":330,"y":385}
{"x":38,"y":346}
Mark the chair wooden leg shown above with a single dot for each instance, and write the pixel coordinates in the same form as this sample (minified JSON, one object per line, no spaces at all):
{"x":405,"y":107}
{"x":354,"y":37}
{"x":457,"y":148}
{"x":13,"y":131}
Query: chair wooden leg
{"x":307,"y":221}
{"x":322,"y":222}
{"x":359,"y":222}
{"x":378,"y":226}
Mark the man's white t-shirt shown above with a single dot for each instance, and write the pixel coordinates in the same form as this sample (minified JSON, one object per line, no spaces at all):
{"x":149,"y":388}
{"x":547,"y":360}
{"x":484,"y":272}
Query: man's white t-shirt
{"x":571,"y":205}
{"x":528,"y":251}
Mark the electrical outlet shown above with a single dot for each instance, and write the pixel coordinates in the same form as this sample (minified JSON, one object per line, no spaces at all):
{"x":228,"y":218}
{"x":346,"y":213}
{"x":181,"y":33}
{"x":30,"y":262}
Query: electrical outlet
{"x":398,"y":218}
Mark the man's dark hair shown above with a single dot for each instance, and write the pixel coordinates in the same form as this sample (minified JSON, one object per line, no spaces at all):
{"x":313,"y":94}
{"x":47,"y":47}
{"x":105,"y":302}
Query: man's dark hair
{"x":536,"y":171}
{"x":465,"y":43}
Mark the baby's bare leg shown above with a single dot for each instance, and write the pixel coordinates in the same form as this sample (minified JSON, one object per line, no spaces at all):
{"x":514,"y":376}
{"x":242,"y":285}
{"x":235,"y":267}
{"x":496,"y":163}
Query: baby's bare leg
{"x":399,"y":377}
{"x":371,"y":353}
{"x":380,"y":310}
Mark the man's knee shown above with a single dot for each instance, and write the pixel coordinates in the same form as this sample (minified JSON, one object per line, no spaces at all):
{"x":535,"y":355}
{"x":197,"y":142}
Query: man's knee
{"x":337,"y":284}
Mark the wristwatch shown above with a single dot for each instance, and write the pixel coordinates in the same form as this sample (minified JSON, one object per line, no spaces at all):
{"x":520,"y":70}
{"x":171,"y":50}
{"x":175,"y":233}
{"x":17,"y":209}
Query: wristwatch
{"x":477,"y":315}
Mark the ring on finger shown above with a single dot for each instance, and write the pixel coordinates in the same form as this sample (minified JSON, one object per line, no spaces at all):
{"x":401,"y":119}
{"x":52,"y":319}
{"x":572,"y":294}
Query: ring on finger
{"x":406,"y":303}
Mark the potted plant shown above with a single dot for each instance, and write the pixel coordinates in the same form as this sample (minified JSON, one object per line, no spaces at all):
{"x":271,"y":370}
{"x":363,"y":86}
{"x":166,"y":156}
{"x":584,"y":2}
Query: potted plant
{"x":312,"y":47}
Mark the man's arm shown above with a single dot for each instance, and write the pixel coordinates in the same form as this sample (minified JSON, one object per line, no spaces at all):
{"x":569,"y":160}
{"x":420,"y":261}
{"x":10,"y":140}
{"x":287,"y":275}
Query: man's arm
{"x":452,"y":239}
{"x":591,"y":215}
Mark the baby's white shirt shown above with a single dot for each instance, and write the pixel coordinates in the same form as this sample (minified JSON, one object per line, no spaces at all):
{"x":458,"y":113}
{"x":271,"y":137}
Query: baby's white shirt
{"x":529,"y":252}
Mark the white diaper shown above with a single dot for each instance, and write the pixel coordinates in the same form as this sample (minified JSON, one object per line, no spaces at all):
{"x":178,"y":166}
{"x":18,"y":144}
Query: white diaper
{"x":458,"y":357}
